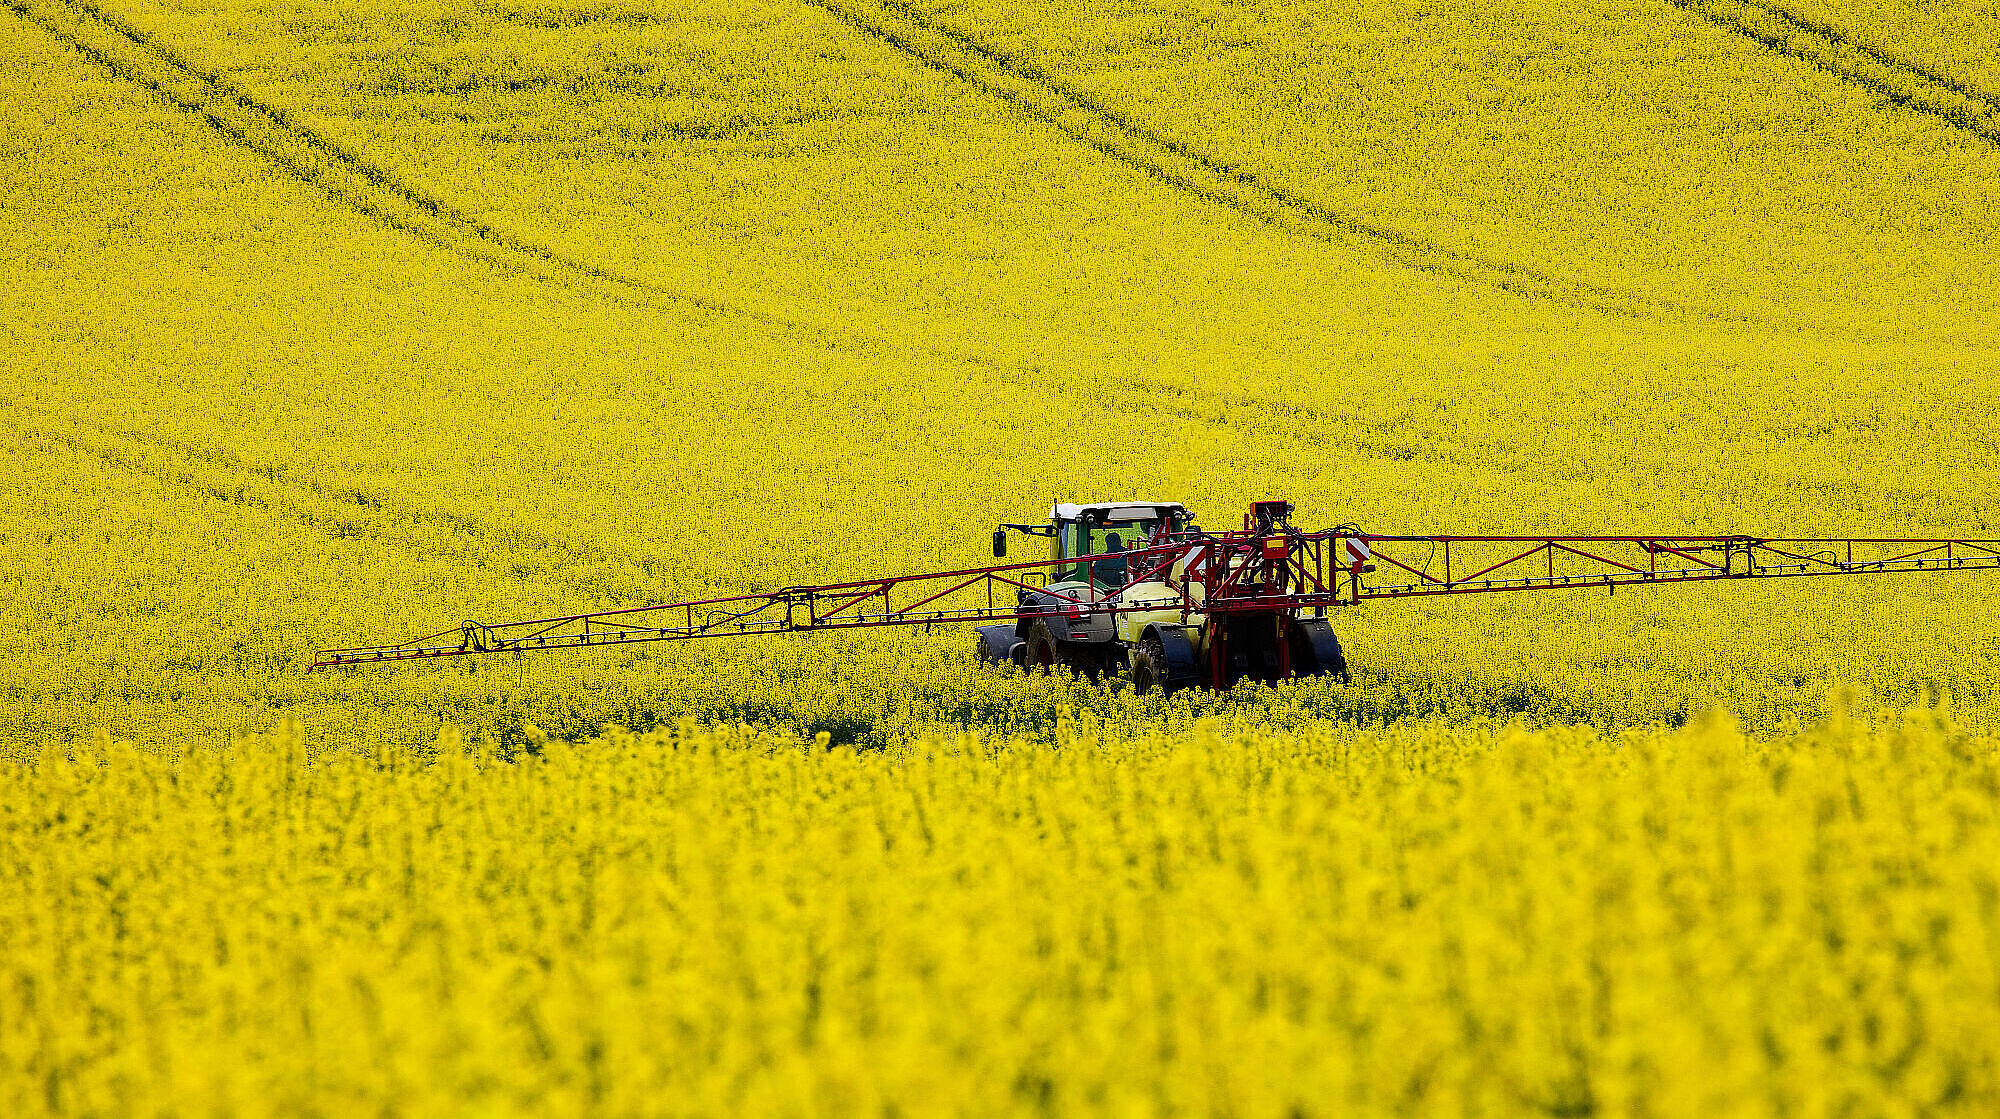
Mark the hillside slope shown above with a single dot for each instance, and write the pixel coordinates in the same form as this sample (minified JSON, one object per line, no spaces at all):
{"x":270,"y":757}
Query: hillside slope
{"x":436,"y":313}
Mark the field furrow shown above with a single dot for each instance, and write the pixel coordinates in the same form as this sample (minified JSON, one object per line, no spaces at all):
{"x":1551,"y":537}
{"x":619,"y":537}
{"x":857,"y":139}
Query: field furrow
{"x":348,"y":512}
{"x":1045,"y":98}
{"x":343,"y":175}
{"x":1829,"y":49}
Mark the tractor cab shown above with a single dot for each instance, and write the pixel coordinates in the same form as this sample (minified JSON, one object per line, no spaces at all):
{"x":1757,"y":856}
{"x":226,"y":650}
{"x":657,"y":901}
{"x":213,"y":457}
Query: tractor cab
{"x":1097,"y":535}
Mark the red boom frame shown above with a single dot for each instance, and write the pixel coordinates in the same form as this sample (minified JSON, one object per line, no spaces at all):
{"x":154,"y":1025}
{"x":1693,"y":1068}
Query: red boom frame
{"x":1265,"y":567}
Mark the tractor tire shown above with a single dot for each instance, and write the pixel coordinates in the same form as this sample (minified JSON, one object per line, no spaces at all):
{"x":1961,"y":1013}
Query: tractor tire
{"x":998,"y":645}
{"x":1316,"y":651}
{"x":1044,"y":653}
{"x":1164,"y":662}
{"x":1149,"y":667}
{"x":1041,"y":654}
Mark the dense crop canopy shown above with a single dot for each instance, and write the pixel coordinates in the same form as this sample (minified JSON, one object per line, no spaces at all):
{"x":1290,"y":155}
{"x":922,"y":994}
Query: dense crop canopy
{"x":724,"y":921}
{"x":337,"y":322}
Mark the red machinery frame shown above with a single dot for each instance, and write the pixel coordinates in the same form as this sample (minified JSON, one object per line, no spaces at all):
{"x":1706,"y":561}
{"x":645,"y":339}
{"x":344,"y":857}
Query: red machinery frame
{"x":1266,"y":567}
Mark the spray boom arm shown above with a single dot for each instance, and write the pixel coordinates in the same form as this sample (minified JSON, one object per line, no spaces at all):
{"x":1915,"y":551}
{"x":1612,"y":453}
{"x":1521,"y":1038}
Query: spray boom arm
{"x":1267,"y":567}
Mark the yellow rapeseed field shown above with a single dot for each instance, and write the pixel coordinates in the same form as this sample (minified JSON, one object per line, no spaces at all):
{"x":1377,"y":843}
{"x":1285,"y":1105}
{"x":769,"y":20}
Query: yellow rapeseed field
{"x":730,"y":921}
{"x":333,"y":322}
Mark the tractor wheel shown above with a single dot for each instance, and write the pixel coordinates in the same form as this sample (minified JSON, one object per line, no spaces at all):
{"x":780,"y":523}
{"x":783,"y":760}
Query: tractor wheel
{"x":998,"y":645}
{"x":1042,"y":653}
{"x":1149,"y":666}
{"x":1316,"y":651}
{"x":1163,"y":661}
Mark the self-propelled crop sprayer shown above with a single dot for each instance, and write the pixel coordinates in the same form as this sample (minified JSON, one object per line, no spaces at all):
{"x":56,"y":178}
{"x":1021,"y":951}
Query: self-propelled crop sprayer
{"x":1136,"y":586}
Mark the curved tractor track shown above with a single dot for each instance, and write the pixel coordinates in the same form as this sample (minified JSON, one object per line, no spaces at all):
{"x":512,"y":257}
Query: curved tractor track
{"x":1830,"y":50}
{"x":322,"y":163}
{"x":345,"y":512}
{"x":319,"y":161}
{"x":1047,"y":99}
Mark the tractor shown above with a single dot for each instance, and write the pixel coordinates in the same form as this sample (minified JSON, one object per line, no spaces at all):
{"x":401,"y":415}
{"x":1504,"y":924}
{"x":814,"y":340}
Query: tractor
{"x":1107,"y":609}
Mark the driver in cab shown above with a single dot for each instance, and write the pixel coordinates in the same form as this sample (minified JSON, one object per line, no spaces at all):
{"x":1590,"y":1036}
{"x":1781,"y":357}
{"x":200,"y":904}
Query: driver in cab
{"x":1108,"y":571}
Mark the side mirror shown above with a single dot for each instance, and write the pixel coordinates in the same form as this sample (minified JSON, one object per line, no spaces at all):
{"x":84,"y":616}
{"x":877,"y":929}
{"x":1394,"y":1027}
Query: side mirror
{"x":999,"y":543}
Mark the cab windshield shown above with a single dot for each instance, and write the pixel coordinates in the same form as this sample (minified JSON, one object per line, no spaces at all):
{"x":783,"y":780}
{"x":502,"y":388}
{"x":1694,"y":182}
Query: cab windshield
{"x":1106,"y":539}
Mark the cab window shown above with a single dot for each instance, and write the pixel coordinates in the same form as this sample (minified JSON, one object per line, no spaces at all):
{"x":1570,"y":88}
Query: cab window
{"x":1093,"y":538}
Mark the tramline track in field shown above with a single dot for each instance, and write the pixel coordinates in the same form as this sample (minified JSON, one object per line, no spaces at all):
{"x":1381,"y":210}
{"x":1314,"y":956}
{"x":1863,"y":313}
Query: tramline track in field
{"x":350,"y":181}
{"x":338,"y":512}
{"x":1830,"y":50}
{"x":324,"y":164}
{"x":1048,"y":99}
{"x":318,"y":161}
